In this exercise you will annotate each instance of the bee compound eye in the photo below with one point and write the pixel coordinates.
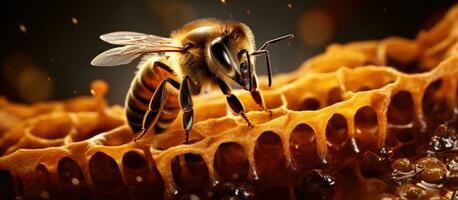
(219, 53)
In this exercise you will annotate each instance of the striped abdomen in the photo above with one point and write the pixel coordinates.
(142, 89)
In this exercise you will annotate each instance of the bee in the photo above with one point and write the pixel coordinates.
(203, 53)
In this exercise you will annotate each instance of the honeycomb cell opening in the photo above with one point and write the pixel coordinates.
(106, 176)
(190, 174)
(303, 147)
(46, 189)
(366, 125)
(52, 127)
(7, 188)
(142, 181)
(379, 79)
(273, 101)
(134, 160)
(270, 159)
(401, 108)
(231, 162)
(334, 96)
(309, 103)
(434, 103)
(336, 129)
(71, 178)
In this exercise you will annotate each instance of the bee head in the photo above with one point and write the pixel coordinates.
(235, 64)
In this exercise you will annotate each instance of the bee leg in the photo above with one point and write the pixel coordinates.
(155, 106)
(260, 101)
(257, 97)
(186, 106)
(233, 101)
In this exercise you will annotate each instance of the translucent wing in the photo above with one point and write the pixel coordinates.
(136, 44)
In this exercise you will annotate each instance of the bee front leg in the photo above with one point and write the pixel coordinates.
(233, 101)
(155, 106)
(187, 107)
(257, 97)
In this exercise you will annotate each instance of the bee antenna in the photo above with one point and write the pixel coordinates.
(262, 50)
(289, 36)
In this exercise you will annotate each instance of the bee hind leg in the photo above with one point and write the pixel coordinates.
(233, 101)
(155, 106)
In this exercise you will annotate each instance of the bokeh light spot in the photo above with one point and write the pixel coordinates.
(23, 28)
(316, 27)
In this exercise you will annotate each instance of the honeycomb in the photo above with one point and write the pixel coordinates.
(364, 120)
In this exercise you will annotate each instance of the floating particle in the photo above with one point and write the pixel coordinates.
(248, 12)
(223, 1)
(139, 179)
(231, 16)
(75, 92)
(49, 78)
(290, 6)
(23, 28)
(74, 21)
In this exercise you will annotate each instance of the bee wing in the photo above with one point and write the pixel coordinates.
(132, 38)
(136, 44)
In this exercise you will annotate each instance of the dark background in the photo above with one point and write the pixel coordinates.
(47, 45)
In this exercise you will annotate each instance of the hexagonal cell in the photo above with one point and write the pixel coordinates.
(340, 147)
(190, 174)
(379, 78)
(143, 181)
(106, 177)
(434, 104)
(7, 188)
(334, 96)
(336, 129)
(303, 147)
(231, 162)
(71, 179)
(52, 127)
(309, 103)
(46, 188)
(273, 101)
(400, 110)
(366, 125)
(270, 158)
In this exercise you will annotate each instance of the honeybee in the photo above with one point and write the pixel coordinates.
(203, 53)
